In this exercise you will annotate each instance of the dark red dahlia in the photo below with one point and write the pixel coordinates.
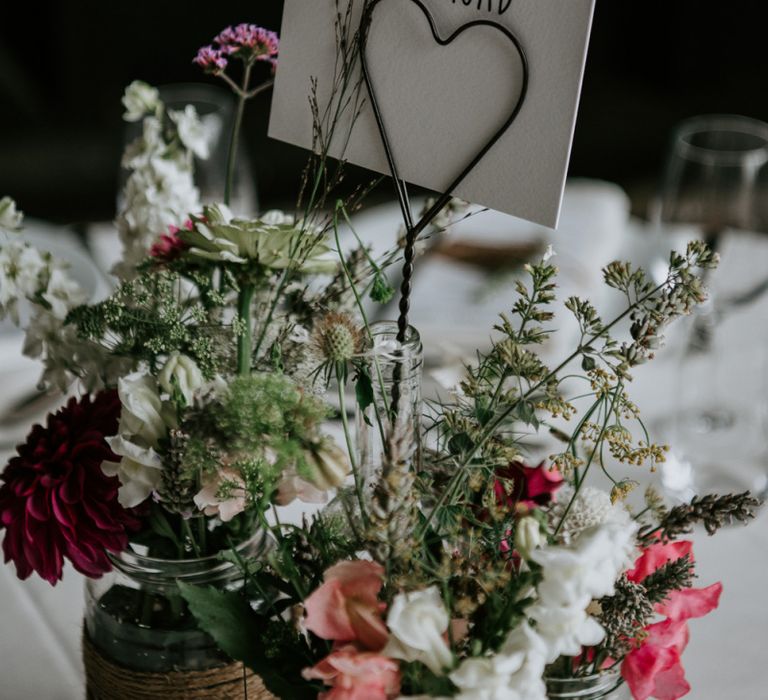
(56, 502)
(530, 486)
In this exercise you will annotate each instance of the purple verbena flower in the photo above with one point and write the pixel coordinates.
(211, 60)
(250, 41)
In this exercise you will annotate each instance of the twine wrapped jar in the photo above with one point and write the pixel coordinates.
(141, 642)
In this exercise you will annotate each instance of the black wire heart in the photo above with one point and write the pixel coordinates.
(415, 228)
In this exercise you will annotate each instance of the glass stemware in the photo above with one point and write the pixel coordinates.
(710, 190)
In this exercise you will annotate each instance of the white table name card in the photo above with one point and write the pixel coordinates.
(443, 94)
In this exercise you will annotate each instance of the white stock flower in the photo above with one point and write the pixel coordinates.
(140, 99)
(22, 273)
(10, 217)
(417, 622)
(477, 679)
(191, 130)
(63, 293)
(589, 568)
(137, 481)
(565, 629)
(181, 372)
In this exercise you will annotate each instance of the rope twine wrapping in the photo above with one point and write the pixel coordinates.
(106, 680)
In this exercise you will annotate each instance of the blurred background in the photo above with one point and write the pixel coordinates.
(64, 64)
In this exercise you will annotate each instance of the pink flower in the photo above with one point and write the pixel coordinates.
(211, 60)
(654, 668)
(346, 607)
(657, 555)
(223, 494)
(249, 41)
(530, 486)
(169, 246)
(356, 675)
(55, 500)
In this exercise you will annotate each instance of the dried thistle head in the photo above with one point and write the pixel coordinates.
(337, 338)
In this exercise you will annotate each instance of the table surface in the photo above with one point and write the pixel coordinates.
(726, 658)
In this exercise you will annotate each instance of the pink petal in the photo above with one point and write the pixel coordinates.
(326, 613)
(657, 555)
(691, 602)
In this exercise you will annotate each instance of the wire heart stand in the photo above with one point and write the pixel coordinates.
(415, 228)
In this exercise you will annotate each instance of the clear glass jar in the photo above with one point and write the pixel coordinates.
(136, 617)
(608, 685)
(394, 417)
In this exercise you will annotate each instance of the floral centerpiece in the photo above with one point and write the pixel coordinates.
(443, 563)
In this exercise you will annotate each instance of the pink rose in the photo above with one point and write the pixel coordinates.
(356, 675)
(346, 607)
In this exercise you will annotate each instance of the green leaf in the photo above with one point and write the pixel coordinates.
(381, 291)
(238, 630)
(364, 391)
(588, 363)
(526, 412)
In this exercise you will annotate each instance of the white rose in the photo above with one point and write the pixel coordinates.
(10, 218)
(417, 622)
(183, 373)
(528, 536)
(140, 99)
(192, 132)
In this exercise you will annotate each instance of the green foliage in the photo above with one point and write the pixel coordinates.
(148, 317)
(266, 646)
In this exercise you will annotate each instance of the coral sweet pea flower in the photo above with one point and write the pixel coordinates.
(346, 607)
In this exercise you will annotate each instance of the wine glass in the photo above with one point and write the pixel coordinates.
(710, 190)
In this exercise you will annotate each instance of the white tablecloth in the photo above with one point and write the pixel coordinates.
(727, 657)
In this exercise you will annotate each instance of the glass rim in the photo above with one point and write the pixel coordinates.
(725, 123)
(128, 557)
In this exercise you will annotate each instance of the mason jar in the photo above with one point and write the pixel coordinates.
(139, 635)
(608, 685)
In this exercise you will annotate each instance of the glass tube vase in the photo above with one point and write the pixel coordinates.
(390, 426)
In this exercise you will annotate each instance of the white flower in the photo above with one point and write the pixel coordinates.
(181, 372)
(276, 217)
(477, 679)
(137, 482)
(144, 421)
(10, 217)
(590, 508)
(417, 622)
(299, 335)
(144, 415)
(588, 569)
(63, 293)
(140, 99)
(565, 629)
(528, 536)
(548, 254)
(223, 495)
(191, 130)
(22, 273)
